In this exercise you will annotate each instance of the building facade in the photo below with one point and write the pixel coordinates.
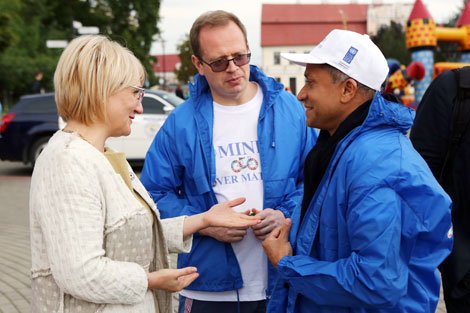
(383, 15)
(164, 68)
(297, 28)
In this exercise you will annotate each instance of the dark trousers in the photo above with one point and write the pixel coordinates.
(187, 305)
(457, 299)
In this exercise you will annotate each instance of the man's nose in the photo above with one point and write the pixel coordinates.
(232, 66)
(301, 94)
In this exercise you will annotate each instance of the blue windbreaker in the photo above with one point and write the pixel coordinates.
(179, 170)
(375, 231)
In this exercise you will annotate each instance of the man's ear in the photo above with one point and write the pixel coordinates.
(197, 63)
(349, 90)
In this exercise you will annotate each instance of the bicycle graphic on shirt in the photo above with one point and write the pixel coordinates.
(241, 164)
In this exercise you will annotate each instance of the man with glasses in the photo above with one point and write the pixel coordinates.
(239, 134)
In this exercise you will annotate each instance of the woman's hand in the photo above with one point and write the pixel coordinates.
(172, 280)
(223, 215)
(220, 215)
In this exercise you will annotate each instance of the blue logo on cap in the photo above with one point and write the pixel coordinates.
(350, 55)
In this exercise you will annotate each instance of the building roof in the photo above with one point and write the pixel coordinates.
(166, 63)
(308, 24)
(419, 11)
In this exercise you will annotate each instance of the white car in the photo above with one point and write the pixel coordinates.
(157, 105)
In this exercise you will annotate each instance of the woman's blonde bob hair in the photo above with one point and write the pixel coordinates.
(90, 70)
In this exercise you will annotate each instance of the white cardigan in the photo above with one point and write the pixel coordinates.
(92, 241)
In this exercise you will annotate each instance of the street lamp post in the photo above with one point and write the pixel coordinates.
(163, 63)
(343, 19)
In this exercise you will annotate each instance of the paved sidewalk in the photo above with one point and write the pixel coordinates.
(15, 257)
(15, 263)
(441, 307)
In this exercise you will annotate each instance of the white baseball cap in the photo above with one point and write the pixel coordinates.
(352, 53)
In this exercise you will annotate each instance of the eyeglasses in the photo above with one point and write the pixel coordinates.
(141, 92)
(221, 65)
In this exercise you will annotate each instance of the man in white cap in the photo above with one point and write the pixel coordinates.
(374, 223)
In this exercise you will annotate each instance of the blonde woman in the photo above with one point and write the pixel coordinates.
(97, 242)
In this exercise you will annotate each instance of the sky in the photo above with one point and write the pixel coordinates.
(177, 16)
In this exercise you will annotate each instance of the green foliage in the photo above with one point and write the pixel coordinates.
(448, 51)
(187, 70)
(26, 25)
(8, 10)
(132, 23)
(392, 42)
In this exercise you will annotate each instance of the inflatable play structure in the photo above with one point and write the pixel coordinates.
(422, 36)
(400, 79)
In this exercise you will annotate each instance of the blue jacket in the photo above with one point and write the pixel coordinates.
(179, 170)
(375, 231)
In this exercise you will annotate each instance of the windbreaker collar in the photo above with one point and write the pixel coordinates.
(384, 112)
(271, 88)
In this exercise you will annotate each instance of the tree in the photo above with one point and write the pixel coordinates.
(26, 25)
(7, 37)
(449, 51)
(392, 42)
(187, 68)
(23, 55)
(133, 23)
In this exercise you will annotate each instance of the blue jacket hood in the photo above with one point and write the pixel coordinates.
(199, 91)
(387, 113)
(201, 96)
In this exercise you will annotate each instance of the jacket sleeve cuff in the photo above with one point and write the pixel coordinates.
(281, 266)
(173, 230)
(286, 267)
(284, 211)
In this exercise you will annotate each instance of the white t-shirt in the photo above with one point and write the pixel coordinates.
(238, 174)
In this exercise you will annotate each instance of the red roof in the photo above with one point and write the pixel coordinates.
(465, 17)
(419, 11)
(308, 24)
(166, 63)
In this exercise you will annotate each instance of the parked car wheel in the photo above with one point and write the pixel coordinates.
(36, 148)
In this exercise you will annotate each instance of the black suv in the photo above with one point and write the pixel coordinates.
(27, 127)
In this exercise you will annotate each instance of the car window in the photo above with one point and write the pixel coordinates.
(152, 106)
(173, 99)
(41, 105)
